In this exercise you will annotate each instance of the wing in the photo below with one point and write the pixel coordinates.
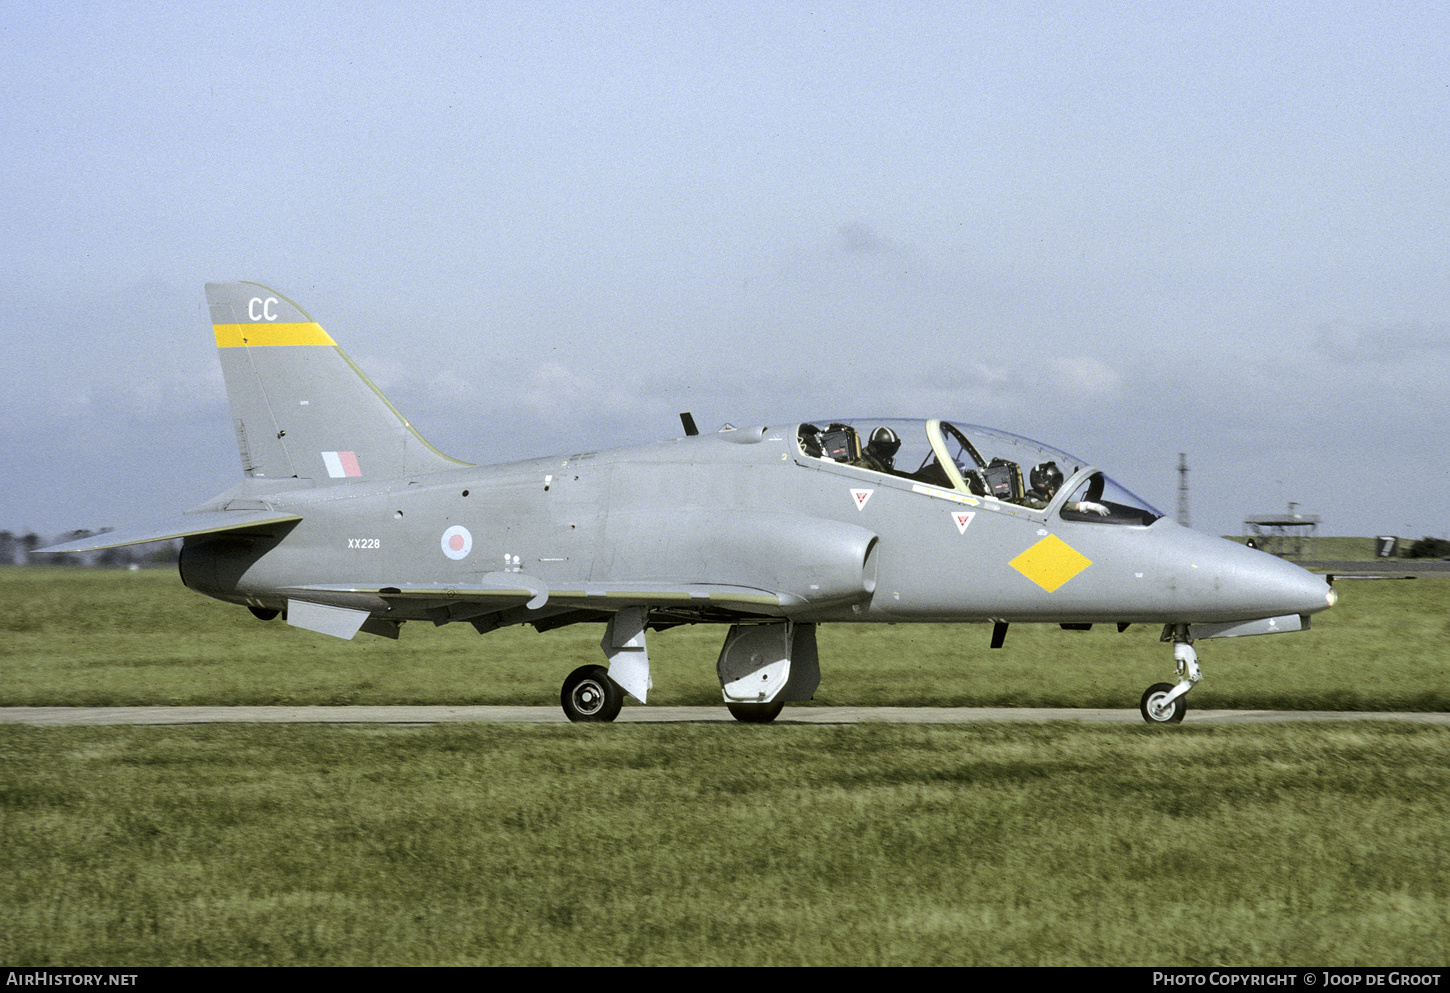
(499, 599)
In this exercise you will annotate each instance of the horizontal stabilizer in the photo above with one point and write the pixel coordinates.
(210, 522)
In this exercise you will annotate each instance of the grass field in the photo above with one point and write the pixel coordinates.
(1065, 844)
(88, 637)
(725, 844)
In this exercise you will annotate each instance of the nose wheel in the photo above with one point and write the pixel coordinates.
(1158, 706)
(1163, 703)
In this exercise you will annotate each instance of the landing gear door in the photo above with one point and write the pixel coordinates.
(762, 663)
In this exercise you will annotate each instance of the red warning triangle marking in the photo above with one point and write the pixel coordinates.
(963, 518)
(861, 496)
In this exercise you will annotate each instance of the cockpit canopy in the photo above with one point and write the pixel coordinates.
(984, 463)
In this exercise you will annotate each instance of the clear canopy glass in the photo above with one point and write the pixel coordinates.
(980, 462)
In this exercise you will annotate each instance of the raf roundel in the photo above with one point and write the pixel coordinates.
(457, 542)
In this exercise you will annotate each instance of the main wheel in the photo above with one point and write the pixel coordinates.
(755, 713)
(1153, 709)
(590, 695)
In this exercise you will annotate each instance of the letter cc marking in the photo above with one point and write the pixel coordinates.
(261, 310)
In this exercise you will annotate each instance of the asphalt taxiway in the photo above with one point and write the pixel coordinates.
(421, 715)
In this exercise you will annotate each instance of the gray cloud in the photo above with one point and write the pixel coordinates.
(1346, 342)
(860, 237)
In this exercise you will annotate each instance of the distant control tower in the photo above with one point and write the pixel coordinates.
(1282, 534)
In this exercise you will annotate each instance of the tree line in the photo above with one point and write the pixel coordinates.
(1429, 548)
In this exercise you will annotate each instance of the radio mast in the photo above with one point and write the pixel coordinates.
(1183, 489)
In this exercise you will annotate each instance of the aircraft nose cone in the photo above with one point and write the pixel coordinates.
(1232, 582)
(1282, 587)
(1310, 592)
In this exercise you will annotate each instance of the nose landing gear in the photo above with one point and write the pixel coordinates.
(1157, 708)
(1163, 703)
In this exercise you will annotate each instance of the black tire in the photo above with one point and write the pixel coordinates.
(755, 713)
(263, 613)
(589, 695)
(1153, 714)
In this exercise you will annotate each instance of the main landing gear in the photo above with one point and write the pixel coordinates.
(1163, 703)
(593, 693)
(755, 713)
(589, 695)
(761, 668)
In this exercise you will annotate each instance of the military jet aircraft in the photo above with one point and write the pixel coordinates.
(346, 520)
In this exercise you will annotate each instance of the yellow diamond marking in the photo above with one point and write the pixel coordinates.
(1051, 562)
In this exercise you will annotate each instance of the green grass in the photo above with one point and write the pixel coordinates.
(723, 844)
(715, 844)
(84, 637)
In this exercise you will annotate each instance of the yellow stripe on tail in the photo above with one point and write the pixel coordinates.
(263, 335)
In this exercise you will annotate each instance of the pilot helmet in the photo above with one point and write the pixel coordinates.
(884, 442)
(1046, 477)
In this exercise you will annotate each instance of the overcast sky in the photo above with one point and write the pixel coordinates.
(1128, 230)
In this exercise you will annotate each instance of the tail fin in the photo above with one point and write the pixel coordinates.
(300, 406)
